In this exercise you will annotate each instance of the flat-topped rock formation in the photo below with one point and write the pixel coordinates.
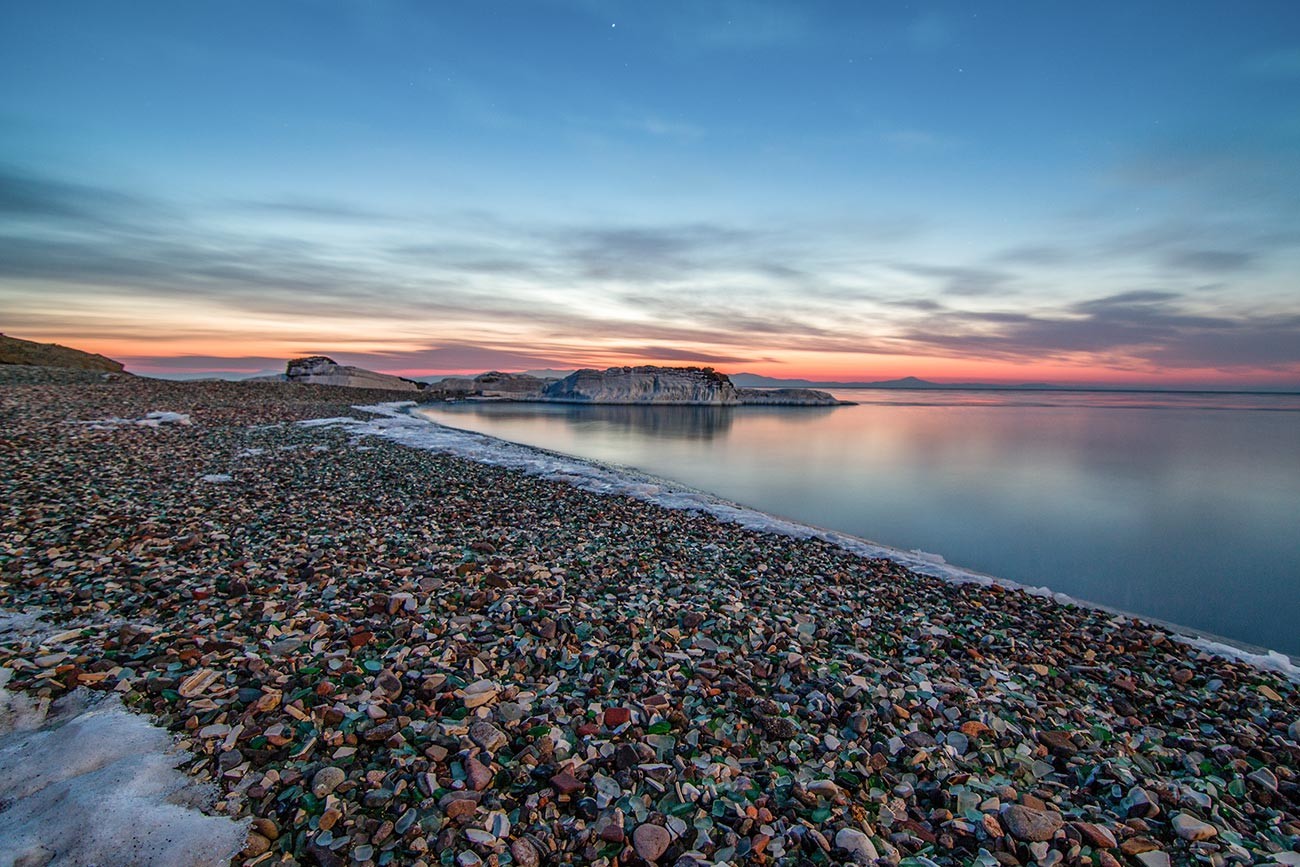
(14, 350)
(677, 386)
(644, 385)
(788, 397)
(693, 386)
(320, 370)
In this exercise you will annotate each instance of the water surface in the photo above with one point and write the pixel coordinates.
(1179, 506)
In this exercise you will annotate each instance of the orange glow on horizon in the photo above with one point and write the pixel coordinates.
(219, 352)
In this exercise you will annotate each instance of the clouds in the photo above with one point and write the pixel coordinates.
(1155, 328)
(961, 280)
(472, 291)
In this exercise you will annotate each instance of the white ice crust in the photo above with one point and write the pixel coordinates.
(392, 422)
(157, 418)
(87, 782)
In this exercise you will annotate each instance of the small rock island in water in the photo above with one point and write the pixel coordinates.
(648, 384)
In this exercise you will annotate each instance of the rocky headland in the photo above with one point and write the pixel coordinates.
(14, 350)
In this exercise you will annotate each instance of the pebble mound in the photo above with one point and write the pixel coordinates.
(389, 656)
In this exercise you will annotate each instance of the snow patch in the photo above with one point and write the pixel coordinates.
(393, 423)
(84, 781)
(342, 419)
(158, 418)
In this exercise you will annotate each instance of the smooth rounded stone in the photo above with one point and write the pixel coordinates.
(1154, 858)
(477, 774)
(1031, 825)
(958, 741)
(326, 780)
(404, 823)
(487, 736)
(1097, 835)
(266, 827)
(480, 693)
(378, 798)
(651, 841)
(460, 808)
(857, 844)
(511, 711)
(1191, 828)
(256, 845)
(1264, 777)
(498, 823)
(1058, 742)
(1294, 730)
(1142, 804)
(823, 788)
(525, 853)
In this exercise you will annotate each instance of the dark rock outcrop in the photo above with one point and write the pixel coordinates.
(14, 350)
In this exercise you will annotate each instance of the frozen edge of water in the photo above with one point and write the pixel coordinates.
(392, 422)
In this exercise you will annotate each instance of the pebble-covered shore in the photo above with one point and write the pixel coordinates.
(390, 656)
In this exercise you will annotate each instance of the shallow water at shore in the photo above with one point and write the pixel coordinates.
(1176, 506)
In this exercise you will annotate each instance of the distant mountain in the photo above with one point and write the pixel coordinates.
(753, 380)
(16, 351)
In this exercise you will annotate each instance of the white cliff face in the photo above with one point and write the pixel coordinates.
(652, 385)
(319, 370)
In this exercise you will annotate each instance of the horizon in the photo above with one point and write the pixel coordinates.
(1099, 197)
(432, 376)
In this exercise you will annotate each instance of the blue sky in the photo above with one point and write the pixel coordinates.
(1100, 192)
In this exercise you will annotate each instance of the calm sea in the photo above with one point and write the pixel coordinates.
(1179, 506)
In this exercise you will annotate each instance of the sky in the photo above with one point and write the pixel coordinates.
(1014, 191)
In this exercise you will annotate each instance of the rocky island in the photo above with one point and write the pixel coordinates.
(647, 384)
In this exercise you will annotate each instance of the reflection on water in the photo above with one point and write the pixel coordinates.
(678, 422)
(1181, 507)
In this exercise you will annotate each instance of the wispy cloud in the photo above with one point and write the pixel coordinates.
(1154, 327)
(477, 290)
(961, 280)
